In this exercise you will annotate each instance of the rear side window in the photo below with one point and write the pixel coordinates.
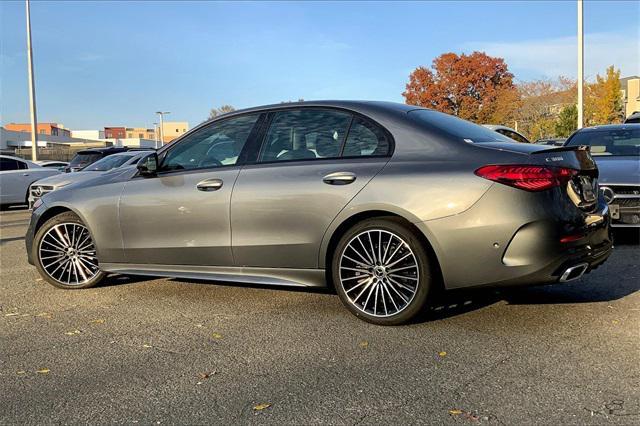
(305, 134)
(366, 139)
(609, 142)
(10, 164)
(513, 135)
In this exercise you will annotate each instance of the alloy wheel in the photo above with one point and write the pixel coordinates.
(67, 254)
(379, 273)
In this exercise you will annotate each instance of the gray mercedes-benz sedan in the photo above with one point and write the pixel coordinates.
(385, 202)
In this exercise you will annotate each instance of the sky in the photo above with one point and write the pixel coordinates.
(115, 63)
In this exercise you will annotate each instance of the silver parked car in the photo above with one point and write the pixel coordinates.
(386, 202)
(44, 186)
(616, 150)
(16, 175)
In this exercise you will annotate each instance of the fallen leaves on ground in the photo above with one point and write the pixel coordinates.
(261, 406)
(21, 372)
(364, 344)
(442, 354)
(146, 346)
(74, 332)
(97, 321)
(216, 336)
(43, 371)
(455, 412)
(12, 314)
(44, 315)
(207, 375)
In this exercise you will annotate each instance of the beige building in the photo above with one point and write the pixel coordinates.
(139, 133)
(173, 129)
(630, 94)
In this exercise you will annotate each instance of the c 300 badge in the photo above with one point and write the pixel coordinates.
(552, 159)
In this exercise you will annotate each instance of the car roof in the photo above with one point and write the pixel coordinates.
(610, 127)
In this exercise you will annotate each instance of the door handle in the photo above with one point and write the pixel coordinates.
(339, 178)
(209, 185)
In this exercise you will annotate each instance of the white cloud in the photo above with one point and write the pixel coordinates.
(558, 56)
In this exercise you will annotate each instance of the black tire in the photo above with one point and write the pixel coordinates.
(62, 218)
(415, 253)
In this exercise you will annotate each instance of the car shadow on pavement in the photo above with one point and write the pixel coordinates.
(113, 280)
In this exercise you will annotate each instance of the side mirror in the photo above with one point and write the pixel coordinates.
(148, 166)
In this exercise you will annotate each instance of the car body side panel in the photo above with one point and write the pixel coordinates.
(280, 211)
(165, 219)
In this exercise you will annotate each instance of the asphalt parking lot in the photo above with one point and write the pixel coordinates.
(158, 351)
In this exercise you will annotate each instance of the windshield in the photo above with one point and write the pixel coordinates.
(108, 163)
(609, 142)
(84, 158)
(458, 127)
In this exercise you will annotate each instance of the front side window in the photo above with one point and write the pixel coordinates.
(305, 134)
(215, 145)
(9, 164)
(366, 139)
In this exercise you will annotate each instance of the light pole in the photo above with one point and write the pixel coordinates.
(161, 114)
(155, 134)
(580, 66)
(32, 90)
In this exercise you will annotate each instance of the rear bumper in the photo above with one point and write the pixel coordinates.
(512, 237)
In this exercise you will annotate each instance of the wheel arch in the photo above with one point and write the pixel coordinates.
(344, 225)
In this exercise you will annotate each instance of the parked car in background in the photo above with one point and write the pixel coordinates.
(16, 175)
(551, 141)
(59, 165)
(508, 132)
(43, 186)
(88, 156)
(616, 150)
(387, 202)
(633, 118)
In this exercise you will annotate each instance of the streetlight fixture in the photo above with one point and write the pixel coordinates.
(161, 114)
(32, 89)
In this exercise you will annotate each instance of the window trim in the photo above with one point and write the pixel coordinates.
(261, 138)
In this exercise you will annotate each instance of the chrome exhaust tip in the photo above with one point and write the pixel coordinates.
(574, 272)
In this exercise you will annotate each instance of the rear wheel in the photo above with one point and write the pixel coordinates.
(65, 254)
(381, 271)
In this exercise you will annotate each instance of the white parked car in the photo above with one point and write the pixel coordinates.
(16, 175)
(113, 161)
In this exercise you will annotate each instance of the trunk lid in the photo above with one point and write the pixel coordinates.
(582, 188)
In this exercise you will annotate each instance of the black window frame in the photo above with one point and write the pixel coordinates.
(257, 126)
(261, 139)
(17, 163)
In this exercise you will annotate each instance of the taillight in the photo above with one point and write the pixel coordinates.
(529, 178)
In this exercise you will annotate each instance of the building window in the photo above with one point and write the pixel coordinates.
(129, 135)
(141, 135)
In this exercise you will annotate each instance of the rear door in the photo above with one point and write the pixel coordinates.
(311, 163)
(14, 181)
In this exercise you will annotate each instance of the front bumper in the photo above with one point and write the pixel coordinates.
(624, 203)
(31, 232)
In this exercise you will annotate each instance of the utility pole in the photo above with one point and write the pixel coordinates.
(580, 66)
(161, 114)
(32, 90)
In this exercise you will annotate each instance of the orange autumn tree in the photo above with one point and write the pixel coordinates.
(476, 87)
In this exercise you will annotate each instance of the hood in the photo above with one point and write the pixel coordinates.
(615, 169)
(65, 179)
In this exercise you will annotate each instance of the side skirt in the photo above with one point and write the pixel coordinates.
(271, 276)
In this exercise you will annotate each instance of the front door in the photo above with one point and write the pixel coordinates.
(181, 216)
(304, 175)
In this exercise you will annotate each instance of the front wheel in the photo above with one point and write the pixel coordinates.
(381, 271)
(65, 254)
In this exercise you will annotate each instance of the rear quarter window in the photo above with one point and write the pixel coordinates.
(458, 127)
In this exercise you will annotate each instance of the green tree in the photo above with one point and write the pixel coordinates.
(567, 121)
